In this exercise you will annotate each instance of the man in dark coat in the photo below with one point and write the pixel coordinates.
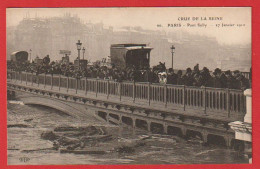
(46, 60)
(172, 77)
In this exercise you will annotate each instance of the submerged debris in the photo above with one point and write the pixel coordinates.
(131, 148)
(28, 120)
(19, 126)
(49, 136)
(83, 151)
(125, 149)
(78, 140)
(37, 150)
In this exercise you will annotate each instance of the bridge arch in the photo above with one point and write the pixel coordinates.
(73, 110)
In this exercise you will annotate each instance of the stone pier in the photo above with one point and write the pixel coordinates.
(243, 129)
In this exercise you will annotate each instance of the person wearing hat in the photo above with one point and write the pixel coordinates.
(172, 77)
(188, 78)
(230, 80)
(179, 78)
(216, 78)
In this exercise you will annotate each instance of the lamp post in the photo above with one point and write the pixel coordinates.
(173, 49)
(30, 53)
(83, 51)
(79, 48)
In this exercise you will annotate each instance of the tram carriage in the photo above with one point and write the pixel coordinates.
(19, 56)
(128, 55)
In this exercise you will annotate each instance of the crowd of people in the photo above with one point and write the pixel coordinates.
(157, 74)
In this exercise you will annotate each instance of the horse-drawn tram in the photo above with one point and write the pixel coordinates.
(128, 55)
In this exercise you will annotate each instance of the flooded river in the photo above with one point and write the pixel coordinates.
(25, 145)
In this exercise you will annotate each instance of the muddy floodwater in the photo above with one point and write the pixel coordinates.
(119, 145)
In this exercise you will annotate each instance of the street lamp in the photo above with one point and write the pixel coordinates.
(173, 49)
(83, 51)
(30, 53)
(79, 48)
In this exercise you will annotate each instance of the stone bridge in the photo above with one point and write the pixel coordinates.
(169, 109)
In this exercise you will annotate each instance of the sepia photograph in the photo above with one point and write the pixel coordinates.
(129, 85)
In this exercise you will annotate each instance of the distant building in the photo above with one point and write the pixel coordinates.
(50, 34)
(124, 55)
(234, 64)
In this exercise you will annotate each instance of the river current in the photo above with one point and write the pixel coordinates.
(26, 147)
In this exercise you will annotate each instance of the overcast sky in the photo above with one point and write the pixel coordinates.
(149, 18)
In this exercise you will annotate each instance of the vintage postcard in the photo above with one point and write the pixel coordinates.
(129, 85)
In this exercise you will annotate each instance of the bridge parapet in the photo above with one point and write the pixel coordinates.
(208, 102)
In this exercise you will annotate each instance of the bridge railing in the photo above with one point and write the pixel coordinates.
(175, 94)
(223, 101)
(141, 91)
(81, 84)
(114, 88)
(48, 80)
(91, 85)
(194, 97)
(63, 82)
(127, 89)
(56, 80)
(156, 93)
